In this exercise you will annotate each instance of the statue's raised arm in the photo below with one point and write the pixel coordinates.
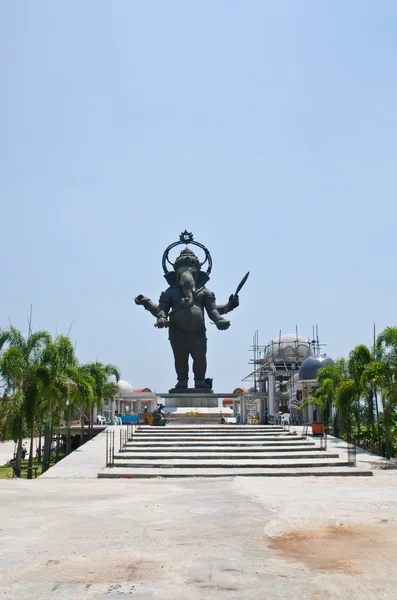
(153, 308)
(147, 304)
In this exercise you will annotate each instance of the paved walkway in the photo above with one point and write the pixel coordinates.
(87, 460)
(229, 539)
(365, 459)
(70, 535)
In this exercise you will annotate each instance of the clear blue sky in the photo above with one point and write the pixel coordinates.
(267, 128)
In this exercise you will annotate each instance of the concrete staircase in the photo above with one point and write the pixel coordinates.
(224, 451)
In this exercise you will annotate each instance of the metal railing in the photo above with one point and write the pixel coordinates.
(109, 448)
(123, 439)
(351, 454)
(130, 431)
(304, 431)
(324, 440)
(126, 435)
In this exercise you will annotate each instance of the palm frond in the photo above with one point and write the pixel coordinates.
(66, 351)
(11, 407)
(12, 365)
(112, 370)
(37, 340)
(14, 337)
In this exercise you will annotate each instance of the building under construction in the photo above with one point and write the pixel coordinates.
(276, 369)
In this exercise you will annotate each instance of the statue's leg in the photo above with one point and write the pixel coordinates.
(181, 356)
(199, 355)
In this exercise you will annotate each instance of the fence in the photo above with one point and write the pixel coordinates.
(323, 439)
(126, 435)
(351, 454)
(109, 448)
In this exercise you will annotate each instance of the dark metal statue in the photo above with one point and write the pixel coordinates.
(159, 416)
(181, 309)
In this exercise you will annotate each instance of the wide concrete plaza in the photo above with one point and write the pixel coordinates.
(233, 538)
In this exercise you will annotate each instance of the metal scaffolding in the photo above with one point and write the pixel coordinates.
(276, 366)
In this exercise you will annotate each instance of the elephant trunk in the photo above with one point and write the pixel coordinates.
(188, 286)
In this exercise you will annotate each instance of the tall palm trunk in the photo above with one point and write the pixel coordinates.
(378, 423)
(39, 447)
(58, 438)
(358, 416)
(30, 461)
(90, 423)
(82, 428)
(46, 452)
(47, 440)
(387, 423)
(69, 432)
(370, 399)
(18, 458)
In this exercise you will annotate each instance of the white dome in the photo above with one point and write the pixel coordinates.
(124, 387)
(288, 347)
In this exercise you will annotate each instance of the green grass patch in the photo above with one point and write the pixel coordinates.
(6, 471)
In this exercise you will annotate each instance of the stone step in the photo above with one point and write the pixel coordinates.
(233, 444)
(147, 473)
(210, 431)
(217, 428)
(132, 449)
(214, 428)
(133, 456)
(208, 440)
(178, 463)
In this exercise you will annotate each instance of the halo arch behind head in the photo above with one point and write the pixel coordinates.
(186, 238)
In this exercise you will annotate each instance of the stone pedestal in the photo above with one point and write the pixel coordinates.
(191, 391)
(186, 400)
(194, 406)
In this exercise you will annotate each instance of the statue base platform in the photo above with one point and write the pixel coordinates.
(191, 391)
(192, 405)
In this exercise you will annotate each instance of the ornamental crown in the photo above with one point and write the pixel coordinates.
(187, 258)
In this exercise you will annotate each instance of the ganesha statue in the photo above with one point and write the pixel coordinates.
(181, 309)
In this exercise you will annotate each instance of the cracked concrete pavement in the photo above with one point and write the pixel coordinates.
(229, 539)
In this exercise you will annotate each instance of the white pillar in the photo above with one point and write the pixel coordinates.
(112, 411)
(271, 385)
(95, 415)
(242, 410)
(138, 406)
(261, 408)
(119, 406)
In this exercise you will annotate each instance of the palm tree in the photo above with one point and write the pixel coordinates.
(383, 375)
(359, 359)
(20, 367)
(101, 374)
(66, 384)
(329, 378)
(81, 395)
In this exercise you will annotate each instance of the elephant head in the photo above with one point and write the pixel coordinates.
(187, 267)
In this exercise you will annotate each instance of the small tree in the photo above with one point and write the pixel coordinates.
(100, 374)
(20, 367)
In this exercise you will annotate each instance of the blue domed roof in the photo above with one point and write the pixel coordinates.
(310, 366)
